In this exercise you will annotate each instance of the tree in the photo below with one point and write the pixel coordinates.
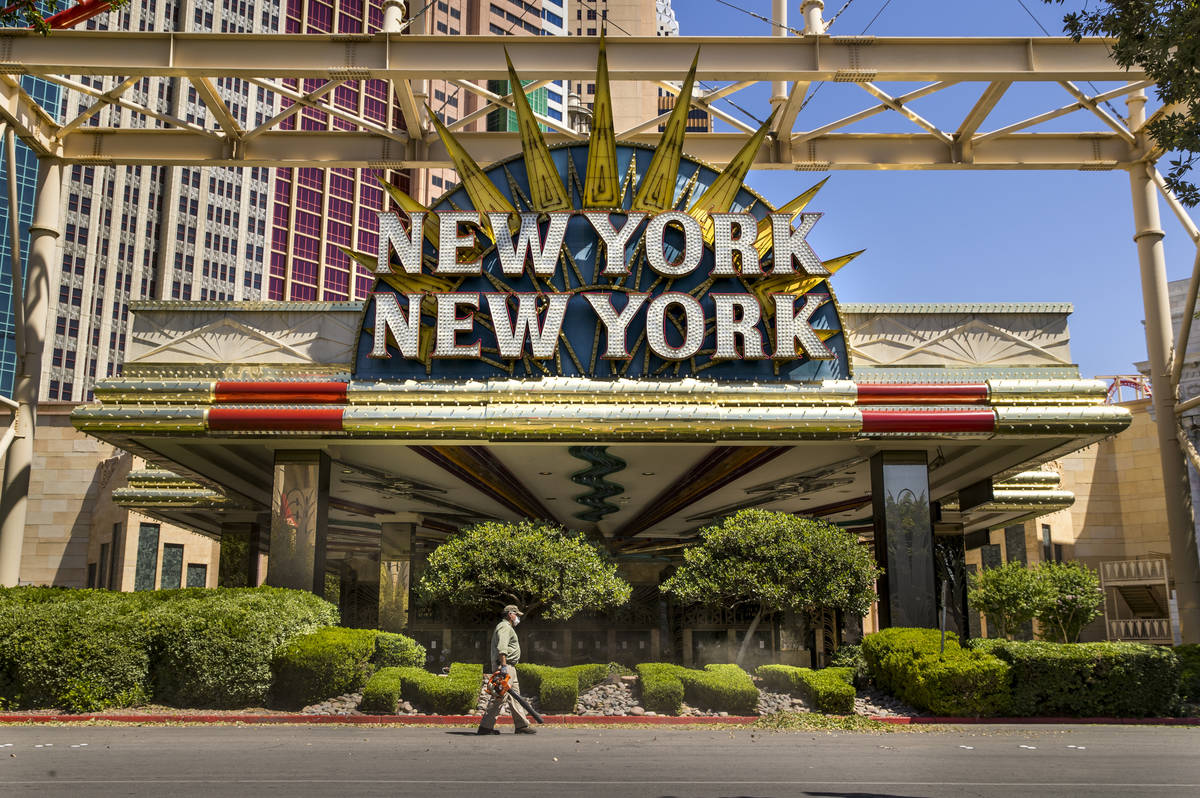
(1161, 37)
(776, 561)
(33, 13)
(1009, 596)
(536, 566)
(1071, 599)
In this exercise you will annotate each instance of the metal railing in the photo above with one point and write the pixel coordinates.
(1117, 572)
(1141, 630)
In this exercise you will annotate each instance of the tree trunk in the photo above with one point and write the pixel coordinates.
(749, 634)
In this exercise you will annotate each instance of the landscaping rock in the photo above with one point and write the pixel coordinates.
(637, 711)
(342, 705)
(606, 698)
(879, 704)
(770, 703)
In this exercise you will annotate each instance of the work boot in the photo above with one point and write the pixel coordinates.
(526, 730)
(482, 730)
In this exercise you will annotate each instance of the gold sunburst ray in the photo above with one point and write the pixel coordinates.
(602, 187)
(546, 190)
(763, 241)
(656, 192)
(796, 284)
(720, 194)
(410, 205)
(483, 192)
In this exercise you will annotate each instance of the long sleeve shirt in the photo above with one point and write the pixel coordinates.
(504, 641)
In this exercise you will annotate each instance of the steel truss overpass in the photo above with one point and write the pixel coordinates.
(792, 65)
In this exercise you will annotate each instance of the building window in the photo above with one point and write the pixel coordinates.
(197, 574)
(91, 575)
(172, 567)
(105, 550)
(1047, 546)
(147, 557)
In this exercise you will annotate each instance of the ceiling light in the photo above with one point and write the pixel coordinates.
(545, 473)
(647, 473)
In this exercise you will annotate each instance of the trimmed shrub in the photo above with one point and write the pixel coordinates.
(662, 691)
(213, 647)
(1089, 679)
(329, 662)
(1189, 672)
(81, 657)
(830, 690)
(960, 682)
(397, 651)
(85, 650)
(722, 688)
(455, 694)
(382, 693)
(558, 689)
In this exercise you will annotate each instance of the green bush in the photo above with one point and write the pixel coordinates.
(851, 656)
(213, 647)
(334, 661)
(662, 691)
(830, 690)
(455, 694)
(85, 650)
(329, 662)
(81, 657)
(722, 688)
(959, 682)
(558, 689)
(1089, 679)
(397, 651)
(1189, 672)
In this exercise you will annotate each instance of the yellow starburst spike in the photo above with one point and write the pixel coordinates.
(657, 189)
(546, 190)
(763, 241)
(483, 193)
(602, 185)
(719, 197)
(795, 284)
(410, 205)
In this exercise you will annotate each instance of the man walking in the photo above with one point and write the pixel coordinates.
(506, 652)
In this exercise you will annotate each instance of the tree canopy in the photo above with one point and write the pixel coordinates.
(539, 567)
(776, 561)
(1008, 595)
(33, 13)
(1071, 599)
(1163, 38)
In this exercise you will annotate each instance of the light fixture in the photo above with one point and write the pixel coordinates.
(545, 473)
(647, 473)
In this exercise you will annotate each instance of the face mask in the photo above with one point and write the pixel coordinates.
(516, 622)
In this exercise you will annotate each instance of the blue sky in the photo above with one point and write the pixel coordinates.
(969, 236)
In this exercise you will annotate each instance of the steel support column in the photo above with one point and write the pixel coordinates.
(1185, 561)
(14, 492)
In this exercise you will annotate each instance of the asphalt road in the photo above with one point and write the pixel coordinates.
(264, 761)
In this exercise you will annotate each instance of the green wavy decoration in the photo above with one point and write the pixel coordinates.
(603, 464)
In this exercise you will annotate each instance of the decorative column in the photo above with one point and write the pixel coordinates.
(239, 555)
(903, 539)
(299, 520)
(1181, 531)
(397, 542)
(14, 492)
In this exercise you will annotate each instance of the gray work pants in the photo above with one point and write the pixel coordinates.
(497, 705)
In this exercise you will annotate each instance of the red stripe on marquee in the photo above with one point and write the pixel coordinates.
(923, 394)
(280, 392)
(928, 421)
(280, 419)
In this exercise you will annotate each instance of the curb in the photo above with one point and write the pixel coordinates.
(565, 720)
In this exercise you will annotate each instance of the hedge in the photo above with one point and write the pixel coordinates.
(830, 690)
(455, 694)
(1088, 679)
(87, 650)
(959, 682)
(662, 691)
(334, 661)
(1189, 672)
(721, 688)
(558, 689)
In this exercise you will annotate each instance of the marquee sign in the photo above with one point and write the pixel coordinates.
(602, 260)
